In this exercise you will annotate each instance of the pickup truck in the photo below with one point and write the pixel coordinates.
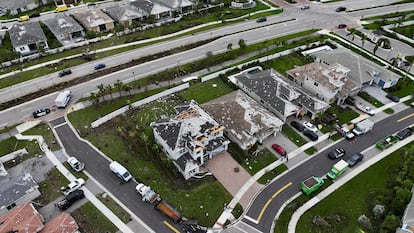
(345, 130)
(75, 164)
(72, 186)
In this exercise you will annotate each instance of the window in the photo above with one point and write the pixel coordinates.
(316, 84)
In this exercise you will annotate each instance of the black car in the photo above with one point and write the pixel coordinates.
(336, 153)
(70, 199)
(297, 125)
(34, 15)
(350, 100)
(40, 112)
(341, 8)
(311, 135)
(4, 27)
(393, 98)
(262, 19)
(64, 72)
(404, 133)
(354, 159)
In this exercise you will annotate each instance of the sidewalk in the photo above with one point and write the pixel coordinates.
(91, 197)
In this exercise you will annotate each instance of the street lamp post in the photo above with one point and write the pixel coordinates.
(133, 75)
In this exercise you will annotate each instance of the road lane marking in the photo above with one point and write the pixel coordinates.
(251, 219)
(405, 118)
(271, 199)
(62, 124)
(247, 226)
(171, 227)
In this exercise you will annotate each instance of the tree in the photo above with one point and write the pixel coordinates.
(229, 46)
(376, 47)
(118, 85)
(101, 92)
(109, 89)
(242, 45)
(127, 88)
(156, 148)
(363, 38)
(94, 98)
(144, 139)
(210, 58)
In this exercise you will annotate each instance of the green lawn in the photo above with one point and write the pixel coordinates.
(114, 207)
(404, 87)
(46, 132)
(90, 219)
(258, 161)
(12, 144)
(268, 176)
(370, 186)
(204, 92)
(310, 151)
(50, 188)
(370, 99)
(293, 136)
(407, 31)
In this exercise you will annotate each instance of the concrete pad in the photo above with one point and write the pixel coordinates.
(222, 166)
(27, 125)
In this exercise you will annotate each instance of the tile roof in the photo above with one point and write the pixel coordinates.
(26, 33)
(145, 5)
(15, 4)
(61, 24)
(123, 13)
(23, 218)
(174, 4)
(93, 18)
(63, 223)
(16, 188)
(242, 116)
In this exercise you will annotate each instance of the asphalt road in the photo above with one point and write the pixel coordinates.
(319, 16)
(319, 165)
(98, 167)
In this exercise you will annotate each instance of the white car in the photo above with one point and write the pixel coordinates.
(75, 164)
(72, 186)
(365, 109)
(309, 126)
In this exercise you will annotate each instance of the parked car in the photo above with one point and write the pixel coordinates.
(310, 126)
(279, 149)
(72, 186)
(365, 109)
(40, 112)
(297, 125)
(354, 159)
(4, 27)
(70, 199)
(412, 104)
(34, 15)
(336, 153)
(311, 135)
(100, 66)
(64, 72)
(304, 7)
(342, 25)
(75, 164)
(23, 18)
(91, 4)
(404, 133)
(393, 98)
(350, 100)
(261, 19)
(341, 8)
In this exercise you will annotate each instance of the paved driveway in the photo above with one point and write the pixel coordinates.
(222, 166)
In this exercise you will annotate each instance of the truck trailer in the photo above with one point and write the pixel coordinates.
(153, 198)
(311, 184)
(337, 169)
(363, 127)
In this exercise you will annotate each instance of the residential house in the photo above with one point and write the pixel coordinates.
(176, 5)
(277, 94)
(190, 138)
(65, 28)
(95, 20)
(125, 14)
(14, 7)
(23, 218)
(28, 38)
(63, 223)
(246, 121)
(2, 35)
(328, 83)
(4, 175)
(363, 71)
(156, 10)
(16, 191)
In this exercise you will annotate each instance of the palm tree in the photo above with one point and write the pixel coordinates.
(109, 89)
(94, 98)
(101, 88)
(363, 38)
(118, 84)
(242, 45)
(127, 88)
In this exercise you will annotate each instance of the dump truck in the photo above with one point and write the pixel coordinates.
(337, 169)
(386, 142)
(363, 127)
(148, 195)
(311, 184)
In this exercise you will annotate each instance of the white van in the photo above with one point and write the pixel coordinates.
(120, 171)
(62, 99)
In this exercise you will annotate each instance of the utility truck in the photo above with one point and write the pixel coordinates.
(337, 169)
(148, 195)
(311, 184)
(62, 99)
(363, 127)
